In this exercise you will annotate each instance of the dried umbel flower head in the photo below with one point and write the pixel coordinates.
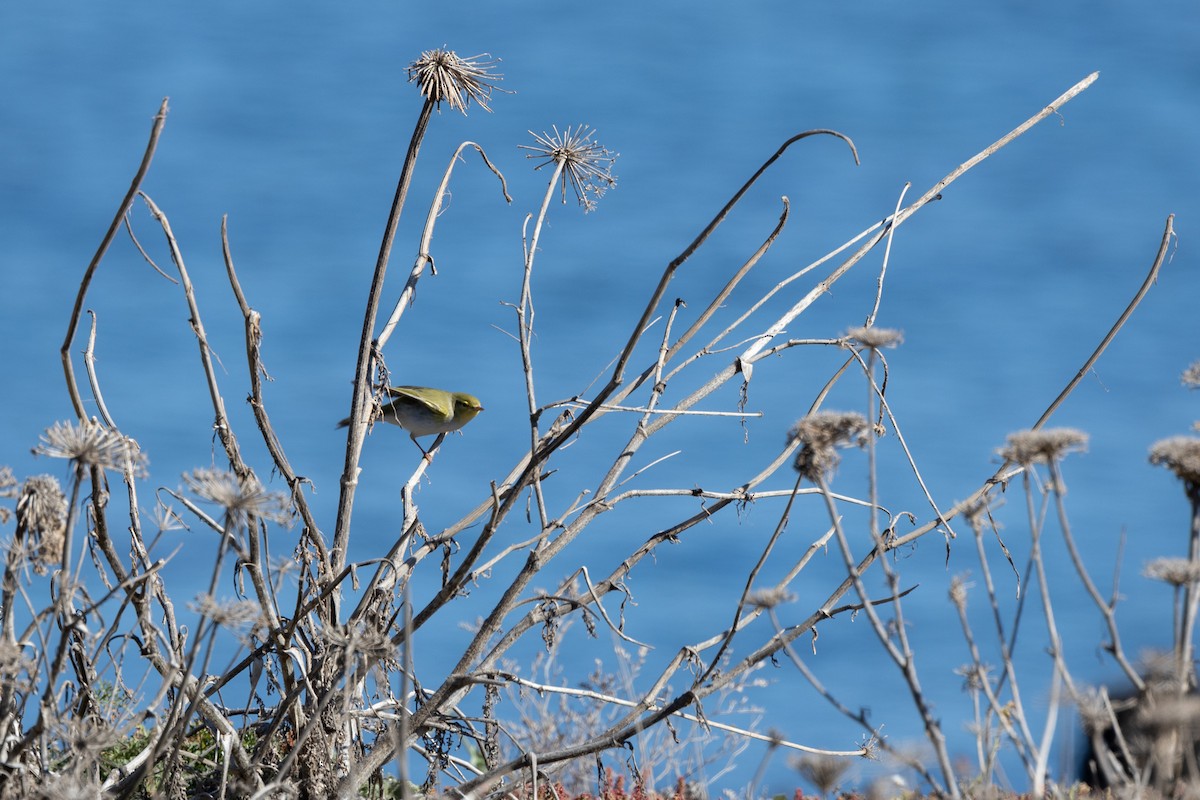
(1181, 455)
(1175, 571)
(821, 770)
(821, 434)
(1191, 376)
(241, 499)
(875, 338)
(90, 444)
(8, 488)
(42, 520)
(237, 615)
(1042, 446)
(585, 164)
(445, 77)
(1094, 710)
(769, 598)
(958, 591)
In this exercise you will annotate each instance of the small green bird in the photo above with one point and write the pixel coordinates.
(423, 411)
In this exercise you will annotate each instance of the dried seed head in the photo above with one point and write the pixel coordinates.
(821, 770)
(1191, 376)
(42, 520)
(587, 166)
(445, 77)
(1181, 455)
(769, 598)
(241, 616)
(90, 444)
(1042, 446)
(820, 434)
(240, 499)
(958, 592)
(69, 785)
(1175, 571)
(1094, 712)
(876, 338)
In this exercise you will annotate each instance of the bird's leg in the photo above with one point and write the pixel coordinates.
(433, 448)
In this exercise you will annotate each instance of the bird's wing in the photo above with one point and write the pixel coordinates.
(440, 403)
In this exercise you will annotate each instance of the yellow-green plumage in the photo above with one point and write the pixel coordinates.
(423, 411)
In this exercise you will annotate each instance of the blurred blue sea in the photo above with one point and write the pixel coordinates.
(293, 121)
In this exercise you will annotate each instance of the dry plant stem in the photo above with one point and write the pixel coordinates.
(634, 722)
(974, 161)
(146, 256)
(221, 423)
(887, 253)
(1151, 279)
(1106, 609)
(1184, 642)
(1023, 743)
(1114, 770)
(1006, 470)
(877, 391)
(556, 438)
(525, 315)
(532, 465)
(795, 276)
(908, 664)
(193, 691)
(362, 374)
(1038, 783)
(406, 494)
(859, 716)
(89, 363)
(744, 363)
(717, 301)
(669, 272)
(902, 656)
(408, 670)
(1022, 746)
(256, 568)
(62, 595)
(1036, 527)
(780, 526)
(424, 254)
(160, 119)
(254, 334)
(742, 494)
(508, 678)
(618, 375)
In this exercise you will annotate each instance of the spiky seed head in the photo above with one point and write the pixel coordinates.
(445, 77)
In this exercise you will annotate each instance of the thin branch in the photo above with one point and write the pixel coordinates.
(135, 186)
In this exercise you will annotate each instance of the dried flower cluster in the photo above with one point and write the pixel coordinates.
(876, 338)
(822, 771)
(1175, 571)
(1042, 446)
(444, 77)
(587, 166)
(235, 615)
(770, 598)
(241, 499)
(1191, 376)
(1181, 455)
(90, 444)
(8, 488)
(958, 592)
(821, 434)
(42, 520)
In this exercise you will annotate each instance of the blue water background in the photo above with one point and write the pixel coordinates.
(293, 119)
